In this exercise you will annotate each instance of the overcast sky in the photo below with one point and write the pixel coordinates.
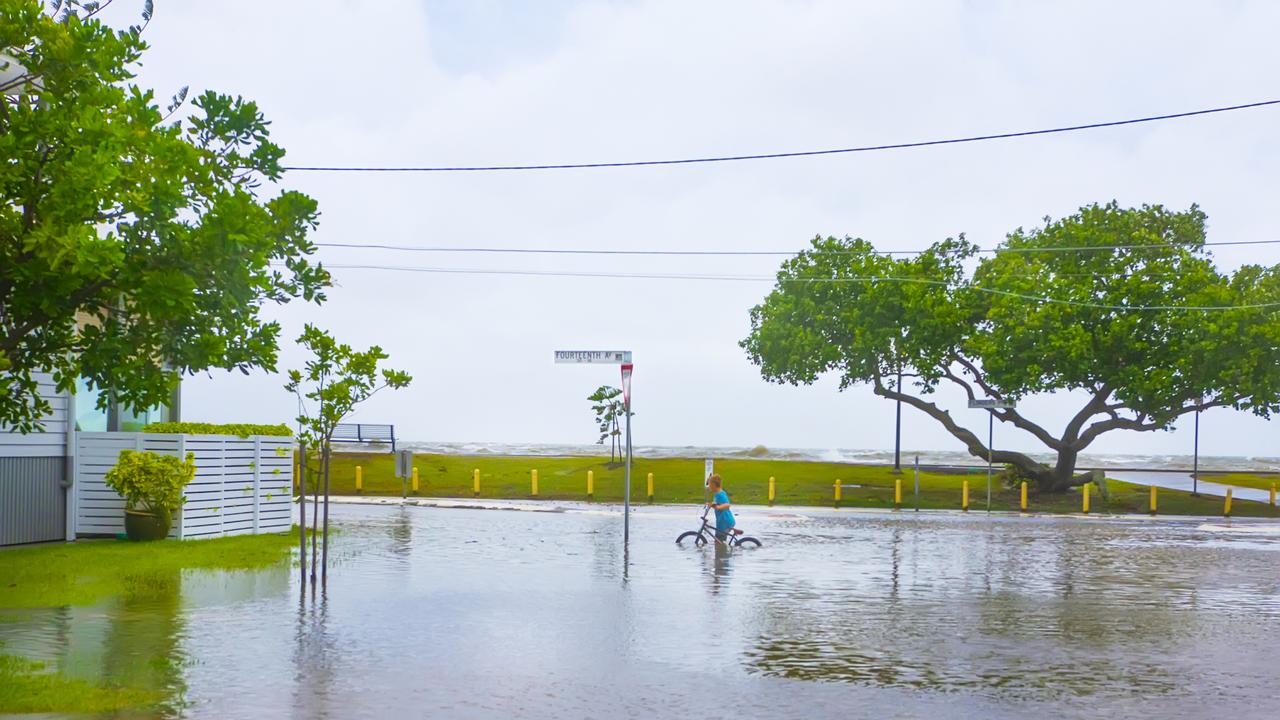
(397, 82)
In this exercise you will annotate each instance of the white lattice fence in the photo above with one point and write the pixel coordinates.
(242, 485)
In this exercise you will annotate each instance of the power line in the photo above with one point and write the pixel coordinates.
(776, 155)
(766, 278)
(753, 253)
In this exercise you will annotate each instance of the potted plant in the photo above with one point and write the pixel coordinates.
(151, 485)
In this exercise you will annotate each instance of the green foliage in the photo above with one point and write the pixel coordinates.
(334, 381)
(151, 481)
(608, 407)
(237, 429)
(1111, 330)
(135, 245)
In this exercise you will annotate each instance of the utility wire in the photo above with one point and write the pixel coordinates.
(766, 278)
(776, 155)
(746, 253)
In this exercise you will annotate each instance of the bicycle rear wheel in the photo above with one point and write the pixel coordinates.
(693, 535)
(748, 541)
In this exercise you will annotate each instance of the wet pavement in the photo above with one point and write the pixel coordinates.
(483, 613)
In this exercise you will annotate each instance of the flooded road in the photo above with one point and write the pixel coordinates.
(471, 613)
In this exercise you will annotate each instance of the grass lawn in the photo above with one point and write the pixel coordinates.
(25, 687)
(679, 480)
(84, 572)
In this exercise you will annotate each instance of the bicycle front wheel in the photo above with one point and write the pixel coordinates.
(692, 535)
(748, 541)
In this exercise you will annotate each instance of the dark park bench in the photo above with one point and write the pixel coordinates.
(362, 433)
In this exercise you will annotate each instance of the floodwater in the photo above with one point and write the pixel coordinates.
(1184, 481)
(481, 613)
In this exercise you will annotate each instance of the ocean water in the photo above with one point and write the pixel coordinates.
(840, 455)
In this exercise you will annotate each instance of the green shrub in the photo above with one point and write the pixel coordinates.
(237, 429)
(151, 481)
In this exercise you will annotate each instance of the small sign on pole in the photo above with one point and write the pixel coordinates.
(990, 404)
(595, 357)
(626, 385)
(404, 463)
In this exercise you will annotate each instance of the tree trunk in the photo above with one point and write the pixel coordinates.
(302, 514)
(324, 560)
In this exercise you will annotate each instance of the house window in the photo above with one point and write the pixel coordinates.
(117, 417)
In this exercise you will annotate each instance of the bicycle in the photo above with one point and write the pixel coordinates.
(707, 533)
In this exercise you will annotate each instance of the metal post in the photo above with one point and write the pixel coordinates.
(917, 483)
(991, 424)
(626, 490)
(897, 431)
(1195, 461)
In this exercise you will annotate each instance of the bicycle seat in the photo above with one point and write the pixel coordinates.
(736, 531)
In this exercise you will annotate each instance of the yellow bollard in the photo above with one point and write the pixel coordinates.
(359, 479)
(1153, 499)
(1226, 507)
(837, 492)
(771, 495)
(534, 476)
(415, 480)
(591, 484)
(475, 482)
(297, 473)
(650, 487)
(1024, 496)
(1273, 494)
(897, 493)
(964, 496)
(1086, 498)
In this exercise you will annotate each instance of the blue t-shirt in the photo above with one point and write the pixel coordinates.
(724, 518)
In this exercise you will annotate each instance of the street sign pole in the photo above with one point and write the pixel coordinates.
(626, 486)
(990, 405)
(611, 357)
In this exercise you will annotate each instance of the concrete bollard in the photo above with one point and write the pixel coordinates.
(1226, 506)
(475, 482)
(1153, 499)
(771, 494)
(1024, 496)
(359, 479)
(591, 485)
(964, 496)
(415, 481)
(650, 487)
(533, 483)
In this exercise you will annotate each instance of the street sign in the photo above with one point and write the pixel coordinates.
(611, 357)
(596, 357)
(990, 404)
(404, 463)
(709, 469)
(626, 385)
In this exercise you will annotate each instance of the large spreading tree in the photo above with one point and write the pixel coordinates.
(1123, 306)
(137, 242)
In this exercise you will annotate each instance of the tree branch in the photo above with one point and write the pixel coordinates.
(964, 435)
(1096, 404)
(1008, 415)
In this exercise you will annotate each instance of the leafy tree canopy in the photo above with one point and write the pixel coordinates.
(135, 244)
(1114, 302)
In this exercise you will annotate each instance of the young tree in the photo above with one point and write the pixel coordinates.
(135, 244)
(330, 385)
(609, 411)
(1121, 305)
